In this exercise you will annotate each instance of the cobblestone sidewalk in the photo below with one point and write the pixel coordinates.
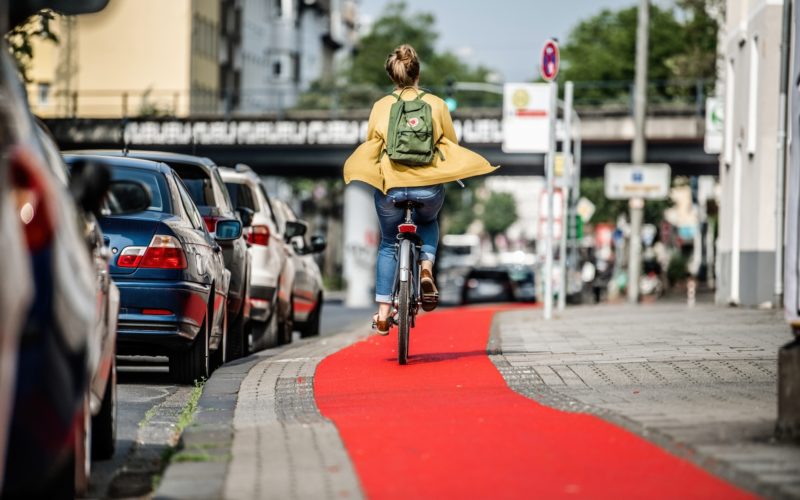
(700, 382)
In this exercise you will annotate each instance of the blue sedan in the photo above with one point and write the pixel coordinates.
(170, 272)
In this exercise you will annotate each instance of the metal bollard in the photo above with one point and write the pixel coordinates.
(691, 292)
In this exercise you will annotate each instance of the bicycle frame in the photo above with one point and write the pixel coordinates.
(406, 277)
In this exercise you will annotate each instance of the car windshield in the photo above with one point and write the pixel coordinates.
(149, 179)
(521, 274)
(197, 182)
(456, 250)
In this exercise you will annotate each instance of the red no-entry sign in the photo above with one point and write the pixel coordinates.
(549, 61)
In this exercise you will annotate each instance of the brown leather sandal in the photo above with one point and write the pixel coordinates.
(381, 327)
(430, 295)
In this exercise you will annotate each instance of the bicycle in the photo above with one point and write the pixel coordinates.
(406, 296)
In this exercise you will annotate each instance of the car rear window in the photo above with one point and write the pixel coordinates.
(241, 196)
(153, 180)
(197, 182)
(490, 275)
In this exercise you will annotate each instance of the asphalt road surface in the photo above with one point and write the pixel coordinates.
(149, 405)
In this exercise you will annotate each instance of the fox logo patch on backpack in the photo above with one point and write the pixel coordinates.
(410, 137)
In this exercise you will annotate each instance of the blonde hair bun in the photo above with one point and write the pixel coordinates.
(402, 66)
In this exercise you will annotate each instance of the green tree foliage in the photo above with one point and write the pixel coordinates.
(458, 211)
(366, 77)
(20, 39)
(499, 212)
(682, 45)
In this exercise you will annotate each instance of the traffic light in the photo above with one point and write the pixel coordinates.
(450, 94)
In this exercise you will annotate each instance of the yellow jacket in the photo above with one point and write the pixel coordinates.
(366, 164)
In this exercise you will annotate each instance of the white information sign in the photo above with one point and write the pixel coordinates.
(715, 126)
(525, 117)
(649, 181)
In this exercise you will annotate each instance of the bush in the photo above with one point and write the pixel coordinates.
(678, 268)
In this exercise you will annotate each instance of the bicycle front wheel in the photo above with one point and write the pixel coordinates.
(404, 312)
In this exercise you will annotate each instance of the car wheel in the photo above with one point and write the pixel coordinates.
(311, 327)
(219, 356)
(191, 365)
(83, 449)
(237, 337)
(104, 424)
(286, 327)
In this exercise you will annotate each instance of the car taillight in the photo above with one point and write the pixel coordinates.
(258, 235)
(211, 223)
(32, 198)
(130, 256)
(164, 252)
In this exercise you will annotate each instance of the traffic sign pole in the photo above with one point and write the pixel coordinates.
(548, 242)
(549, 70)
(566, 148)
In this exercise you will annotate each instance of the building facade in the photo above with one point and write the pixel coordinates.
(750, 55)
(190, 57)
(142, 57)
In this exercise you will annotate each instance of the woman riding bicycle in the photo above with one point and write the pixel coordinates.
(396, 182)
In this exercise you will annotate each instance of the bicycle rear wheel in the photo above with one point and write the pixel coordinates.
(404, 311)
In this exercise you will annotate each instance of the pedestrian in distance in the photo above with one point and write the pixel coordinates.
(410, 152)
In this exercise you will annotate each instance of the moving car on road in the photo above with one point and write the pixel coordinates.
(169, 269)
(272, 276)
(487, 284)
(307, 291)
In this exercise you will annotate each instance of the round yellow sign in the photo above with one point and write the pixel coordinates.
(520, 98)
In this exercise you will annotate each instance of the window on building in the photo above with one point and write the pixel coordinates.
(276, 69)
(278, 8)
(43, 94)
(752, 98)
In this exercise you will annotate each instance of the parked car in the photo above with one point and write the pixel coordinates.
(169, 269)
(55, 311)
(307, 291)
(202, 180)
(272, 276)
(84, 184)
(491, 284)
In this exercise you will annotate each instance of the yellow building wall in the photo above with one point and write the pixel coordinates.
(138, 48)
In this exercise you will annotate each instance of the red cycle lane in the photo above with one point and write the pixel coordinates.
(447, 426)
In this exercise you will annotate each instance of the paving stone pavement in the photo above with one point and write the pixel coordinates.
(699, 382)
(283, 447)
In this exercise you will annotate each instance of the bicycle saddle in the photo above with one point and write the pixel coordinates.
(407, 203)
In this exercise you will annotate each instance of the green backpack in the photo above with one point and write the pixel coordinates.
(410, 137)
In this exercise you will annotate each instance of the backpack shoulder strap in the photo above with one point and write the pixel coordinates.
(421, 94)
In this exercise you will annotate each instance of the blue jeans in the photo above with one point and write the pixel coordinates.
(426, 218)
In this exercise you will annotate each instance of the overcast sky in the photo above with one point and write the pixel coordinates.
(505, 35)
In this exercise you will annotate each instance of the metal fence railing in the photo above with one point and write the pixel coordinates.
(683, 97)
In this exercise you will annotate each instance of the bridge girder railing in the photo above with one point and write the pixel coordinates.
(592, 98)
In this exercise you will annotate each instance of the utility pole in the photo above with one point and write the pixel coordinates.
(638, 148)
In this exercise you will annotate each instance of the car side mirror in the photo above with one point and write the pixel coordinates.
(89, 183)
(293, 229)
(246, 215)
(317, 244)
(228, 230)
(127, 197)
